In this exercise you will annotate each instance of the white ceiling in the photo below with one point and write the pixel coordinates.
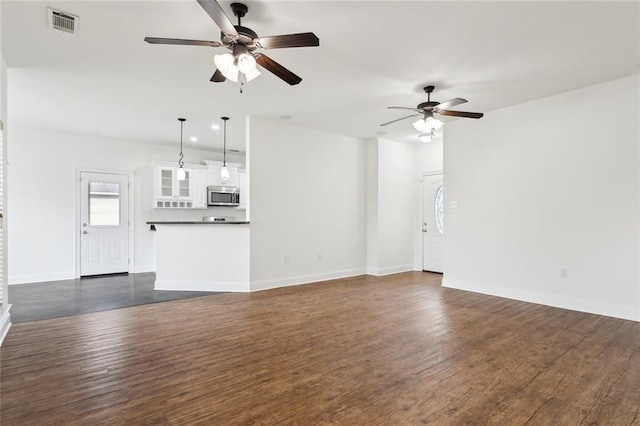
(108, 82)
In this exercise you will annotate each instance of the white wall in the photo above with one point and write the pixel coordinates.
(307, 199)
(429, 156)
(42, 186)
(373, 245)
(545, 185)
(5, 319)
(397, 202)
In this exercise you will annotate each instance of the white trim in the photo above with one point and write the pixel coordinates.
(305, 279)
(130, 213)
(5, 322)
(420, 265)
(36, 278)
(554, 300)
(137, 269)
(378, 272)
(418, 261)
(198, 285)
(131, 206)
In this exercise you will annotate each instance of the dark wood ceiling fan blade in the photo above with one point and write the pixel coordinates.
(399, 119)
(180, 41)
(406, 108)
(214, 10)
(217, 77)
(289, 40)
(464, 114)
(277, 69)
(450, 103)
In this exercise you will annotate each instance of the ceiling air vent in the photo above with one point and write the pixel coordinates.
(63, 21)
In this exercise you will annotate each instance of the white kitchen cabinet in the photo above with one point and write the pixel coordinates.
(242, 186)
(169, 187)
(181, 194)
(199, 188)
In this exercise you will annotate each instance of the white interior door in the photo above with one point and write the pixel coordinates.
(104, 224)
(432, 223)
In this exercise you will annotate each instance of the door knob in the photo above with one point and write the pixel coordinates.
(85, 232)
(424, 230)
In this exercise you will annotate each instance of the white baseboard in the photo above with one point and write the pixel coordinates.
(59, 276)
(36, 278)
(5, 322)
(378, 272)
(305, 279)
(557, 301)
(138, 269)
(194, 285)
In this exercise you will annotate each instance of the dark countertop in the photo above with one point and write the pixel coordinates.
(196, 222)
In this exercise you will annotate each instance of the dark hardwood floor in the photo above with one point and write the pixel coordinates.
(396, 350)
(37, 301)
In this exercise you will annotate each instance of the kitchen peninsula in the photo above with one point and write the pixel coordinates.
(201, 255)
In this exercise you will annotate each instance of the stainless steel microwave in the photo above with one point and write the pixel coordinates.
(223, 196)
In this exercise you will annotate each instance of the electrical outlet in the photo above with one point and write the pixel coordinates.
(454, 204)
(286, 259)
(563, 272)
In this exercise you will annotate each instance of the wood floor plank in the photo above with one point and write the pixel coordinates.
(364, 350)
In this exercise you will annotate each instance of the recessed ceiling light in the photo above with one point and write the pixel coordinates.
(215, 126)
(193, 139)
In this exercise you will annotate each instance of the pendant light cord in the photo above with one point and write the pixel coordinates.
(180, 162)
(224, 152)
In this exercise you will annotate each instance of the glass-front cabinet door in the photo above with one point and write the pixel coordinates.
(169, 187)
(183, 186)
(166, 183)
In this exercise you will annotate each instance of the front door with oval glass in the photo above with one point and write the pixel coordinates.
(432, 223)
(104, 230)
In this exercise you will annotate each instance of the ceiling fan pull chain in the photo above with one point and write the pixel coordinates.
(242, 79)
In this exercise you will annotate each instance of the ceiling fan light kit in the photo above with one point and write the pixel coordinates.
(427, 125)
(240, 66)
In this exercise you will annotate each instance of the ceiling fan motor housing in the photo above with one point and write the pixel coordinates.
(246, 36)
(428, 105)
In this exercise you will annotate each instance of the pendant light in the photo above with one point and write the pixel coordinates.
(181, 173)
(224, 172)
